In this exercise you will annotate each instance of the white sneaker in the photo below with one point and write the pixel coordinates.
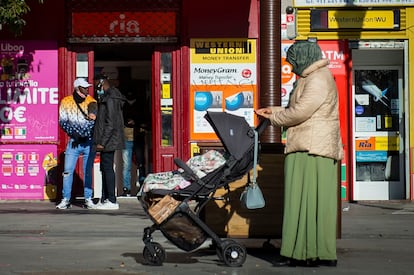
(89, 204)
(107, 205)
(100, 203)
(64, 204)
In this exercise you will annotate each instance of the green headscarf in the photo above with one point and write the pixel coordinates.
(302, 54)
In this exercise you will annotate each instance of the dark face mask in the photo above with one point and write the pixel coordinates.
(77, 97)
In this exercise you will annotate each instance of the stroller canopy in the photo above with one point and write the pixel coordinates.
(234, 132)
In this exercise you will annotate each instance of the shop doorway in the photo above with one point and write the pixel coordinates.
(129, 68)
(378, 125)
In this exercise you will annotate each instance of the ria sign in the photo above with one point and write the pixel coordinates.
(124, 24)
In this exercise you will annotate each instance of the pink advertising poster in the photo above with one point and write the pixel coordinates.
(28, 171)
(28, 91)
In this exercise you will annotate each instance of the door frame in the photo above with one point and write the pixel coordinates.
(163, 155)
(403, 158)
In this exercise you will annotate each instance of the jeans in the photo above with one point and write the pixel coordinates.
(132, 147)
(108, 176)
(71, 157)
(127, 163)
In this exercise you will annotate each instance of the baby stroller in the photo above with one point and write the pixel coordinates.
(169, 208)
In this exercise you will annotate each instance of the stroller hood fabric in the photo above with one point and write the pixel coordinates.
(234, 132)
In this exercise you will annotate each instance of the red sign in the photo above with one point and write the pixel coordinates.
(335, 52)
(129, 24)
(290, 18)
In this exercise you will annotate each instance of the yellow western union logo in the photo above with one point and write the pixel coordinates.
(367, 19)
(223, 47)
(238, 50)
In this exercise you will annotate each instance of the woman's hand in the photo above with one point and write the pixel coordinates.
(264, 112)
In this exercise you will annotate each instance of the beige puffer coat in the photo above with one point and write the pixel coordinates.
(312, 117)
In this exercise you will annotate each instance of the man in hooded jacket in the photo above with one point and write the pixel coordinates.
(108, 137)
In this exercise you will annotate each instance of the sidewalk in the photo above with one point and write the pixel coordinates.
(35, 238)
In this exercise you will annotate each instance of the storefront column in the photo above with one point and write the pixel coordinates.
(410, 34)
(270, 65)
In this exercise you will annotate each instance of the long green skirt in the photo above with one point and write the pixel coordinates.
(310, 207)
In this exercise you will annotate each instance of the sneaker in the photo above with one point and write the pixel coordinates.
(107, 205)
(126, 192)
(64, 204)
(89, 204)
(99, 203)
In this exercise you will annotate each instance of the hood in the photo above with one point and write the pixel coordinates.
(302, 54)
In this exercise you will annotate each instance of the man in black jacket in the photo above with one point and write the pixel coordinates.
(108, 137)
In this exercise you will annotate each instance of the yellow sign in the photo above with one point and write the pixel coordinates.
(166, 90)
(235, 50)
(358, 19)
(387, 143)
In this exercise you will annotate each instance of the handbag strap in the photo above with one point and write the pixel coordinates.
(256, 141)
(82, 111)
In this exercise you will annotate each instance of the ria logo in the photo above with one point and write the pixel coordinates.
(364, 144)
(123, 26)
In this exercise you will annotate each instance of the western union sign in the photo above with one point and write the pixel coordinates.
(355, 19)
(235, 50)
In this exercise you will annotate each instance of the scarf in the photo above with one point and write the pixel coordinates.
(302, 54)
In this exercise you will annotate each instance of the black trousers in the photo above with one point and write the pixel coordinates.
(108, 176)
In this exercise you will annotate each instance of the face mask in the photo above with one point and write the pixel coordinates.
(99, 89)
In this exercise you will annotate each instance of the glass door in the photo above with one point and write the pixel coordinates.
(378, 161)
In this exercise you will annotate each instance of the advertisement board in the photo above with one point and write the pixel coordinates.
(28, 91)
(28, 171)
(223, 77)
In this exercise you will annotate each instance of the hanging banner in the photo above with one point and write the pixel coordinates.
(28, 91)
(223, 77)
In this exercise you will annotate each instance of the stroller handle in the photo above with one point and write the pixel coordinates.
(180, 163)
(262, 125)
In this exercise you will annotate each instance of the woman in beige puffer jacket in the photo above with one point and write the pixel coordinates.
(313, 149)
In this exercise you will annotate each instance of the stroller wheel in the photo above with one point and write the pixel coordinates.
(233, 254)
(156, 258)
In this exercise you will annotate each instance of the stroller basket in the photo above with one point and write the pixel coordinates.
(182, 231)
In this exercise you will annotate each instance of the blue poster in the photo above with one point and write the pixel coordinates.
(371, 156)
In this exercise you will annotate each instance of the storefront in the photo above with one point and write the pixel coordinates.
(375, 105)
(175, 55)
